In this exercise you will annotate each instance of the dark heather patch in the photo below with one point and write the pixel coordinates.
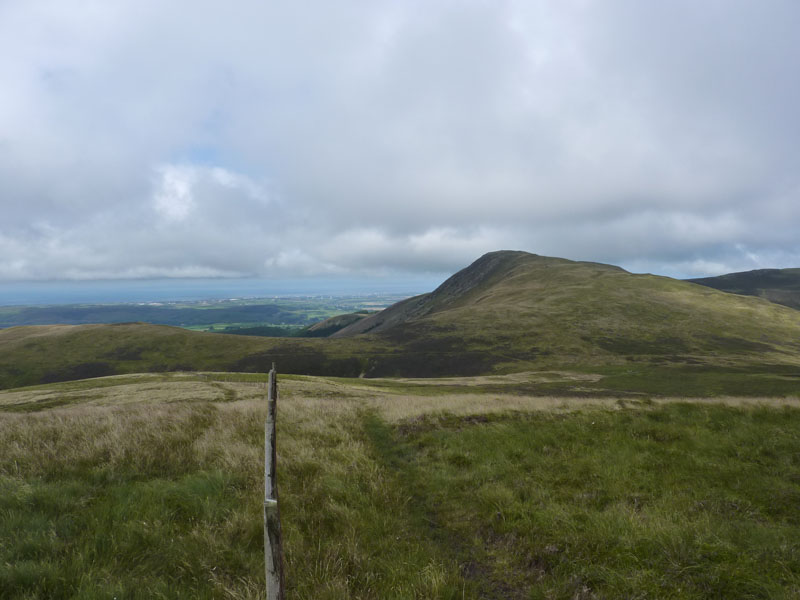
(734, 344)
(424, 364)
(85, 370)
(627, 346)
(311, 362)
(124, 353)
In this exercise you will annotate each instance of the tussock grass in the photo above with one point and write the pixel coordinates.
(131, 501)
(147, 487)
(158, 496)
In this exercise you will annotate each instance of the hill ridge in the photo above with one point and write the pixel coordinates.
(781, 286)
(489, 266)
(488, 270)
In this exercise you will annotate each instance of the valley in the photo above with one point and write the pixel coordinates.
(272, 317)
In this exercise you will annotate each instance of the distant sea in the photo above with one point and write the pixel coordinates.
(165, 290)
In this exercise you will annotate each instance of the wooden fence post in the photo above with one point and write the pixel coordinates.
(273, 545)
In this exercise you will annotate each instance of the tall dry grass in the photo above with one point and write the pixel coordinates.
(152, 487)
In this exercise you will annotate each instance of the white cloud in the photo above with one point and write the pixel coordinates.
(143, 139)
(173, 199)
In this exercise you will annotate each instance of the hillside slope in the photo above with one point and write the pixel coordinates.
(529, 307)
(781, 286)
(50, 353)
(331, 325)
(488, 270)
(508, 312)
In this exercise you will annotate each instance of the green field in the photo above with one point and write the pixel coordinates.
(288, 315)
(147, 486)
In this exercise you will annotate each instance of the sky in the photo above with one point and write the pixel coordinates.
(376, 139)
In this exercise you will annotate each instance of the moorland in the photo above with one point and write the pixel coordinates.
(533, 428)
(507, 312)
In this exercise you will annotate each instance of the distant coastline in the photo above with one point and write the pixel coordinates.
(163, 290)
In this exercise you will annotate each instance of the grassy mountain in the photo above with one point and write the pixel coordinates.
(781, 286)
(611, 330)
(535, 307)
(487, 271)
(512, 309)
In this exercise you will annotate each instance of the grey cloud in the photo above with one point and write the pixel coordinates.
(364, 139)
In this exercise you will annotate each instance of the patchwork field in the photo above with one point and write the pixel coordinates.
(148, 486)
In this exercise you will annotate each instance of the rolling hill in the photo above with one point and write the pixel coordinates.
(49, 353)
(507, 312)
(538, 307)
(781, 286)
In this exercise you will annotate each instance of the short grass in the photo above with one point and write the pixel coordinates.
(151, 487)
(678, 501)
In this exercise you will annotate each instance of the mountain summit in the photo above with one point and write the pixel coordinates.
(526, 307)
(461, 289)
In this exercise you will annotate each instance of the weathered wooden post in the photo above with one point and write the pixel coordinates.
(273, 545)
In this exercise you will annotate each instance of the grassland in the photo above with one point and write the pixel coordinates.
(51, 353)
(147, 486)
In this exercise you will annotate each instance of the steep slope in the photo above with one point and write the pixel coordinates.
(781, 286)
(331, 325)
(458, 290)
(524, 307)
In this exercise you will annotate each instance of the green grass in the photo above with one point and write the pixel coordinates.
(351, 530)
(680, 501)
(164, 499)
(388, 493)
(126, 502)
(127, 538)
(703, 380)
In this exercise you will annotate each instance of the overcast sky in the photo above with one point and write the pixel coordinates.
(143, 139)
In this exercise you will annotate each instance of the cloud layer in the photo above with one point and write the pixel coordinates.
(139, 139)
